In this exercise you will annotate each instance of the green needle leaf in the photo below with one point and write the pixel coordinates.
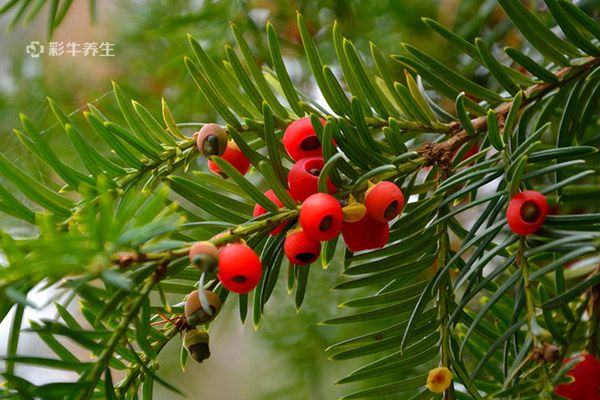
(496, 68)
(463, 117)
(248, 187)
(282, 74)
(256, 73)
(493, 131)
(530, 65)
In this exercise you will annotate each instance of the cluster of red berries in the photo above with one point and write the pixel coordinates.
(322, 217)
(363, 226)
(586, 380)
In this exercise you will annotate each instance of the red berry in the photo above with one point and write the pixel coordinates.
(303, 178)
(472, 151)
(586, 384)
(233, 156)
(384, 201)
(301, 141)
(260, 210)
(300, 249)
(239, 268)
(366, 234)
(321, 217)
(526, 212)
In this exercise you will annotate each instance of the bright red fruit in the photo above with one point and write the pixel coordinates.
(526, 212)
(239, 268)
(586, 384)
(321, 217)
(301, 141)
(233, 156)
(300, 249)
(366, 234)
(260, 210)
(384, 201)
(303, 178)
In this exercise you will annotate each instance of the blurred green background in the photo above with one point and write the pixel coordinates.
(285, 358)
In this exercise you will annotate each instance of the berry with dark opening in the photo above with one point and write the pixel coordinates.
(233, 156)
(526, 212)
(384, 201)
(321, 217)
(366, 234)
(260, 210)
(196, 343)
(211, 140)
(239, 268)
(300, 249)
(303, 178)
(195, 314)
(586, 383)
(204, 256)
(301, 141)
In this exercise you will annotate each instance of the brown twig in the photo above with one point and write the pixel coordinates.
(441, 153)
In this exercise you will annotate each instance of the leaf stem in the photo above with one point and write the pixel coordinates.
(133, 373)
(534, 327)
(231, 235)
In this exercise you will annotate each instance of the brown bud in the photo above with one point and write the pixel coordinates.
(211, 140)
(195, 314)
(550, 353)
(204, 256)
(196, 343)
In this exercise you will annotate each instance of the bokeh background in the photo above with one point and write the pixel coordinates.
(284, 358)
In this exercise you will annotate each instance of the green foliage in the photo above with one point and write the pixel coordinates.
(27, 10)
(471, 297)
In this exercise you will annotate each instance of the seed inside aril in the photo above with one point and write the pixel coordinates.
(530, 211)
(305, 257)
(325, 223)
(314, 171)
(391, 210)
(239, 279)
(205, 262)
(210, 145)
(310, 143)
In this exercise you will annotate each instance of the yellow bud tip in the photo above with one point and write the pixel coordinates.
(354, 212)
(439, 379)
